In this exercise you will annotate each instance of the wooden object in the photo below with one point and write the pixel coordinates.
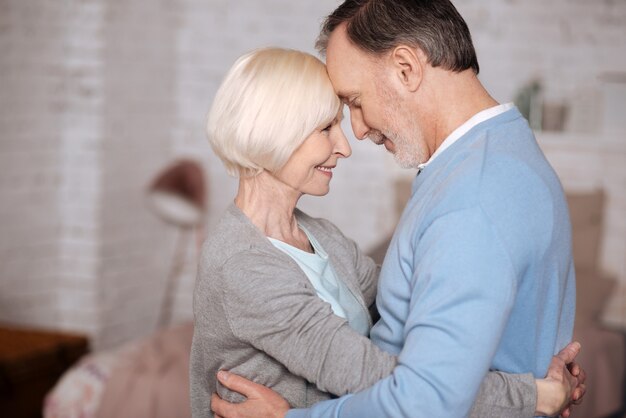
(31, 361)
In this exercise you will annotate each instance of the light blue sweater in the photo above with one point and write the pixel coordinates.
(479, 275)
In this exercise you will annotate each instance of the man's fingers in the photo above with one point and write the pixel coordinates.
(569, 353)
(566, 412)
(238, 384)
(582, 375)
(574, 369)
(219, 406)
(579, 393)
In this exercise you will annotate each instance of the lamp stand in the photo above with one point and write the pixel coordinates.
(173, 278)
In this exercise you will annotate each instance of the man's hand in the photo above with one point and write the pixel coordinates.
(564, 384)
(261, 402)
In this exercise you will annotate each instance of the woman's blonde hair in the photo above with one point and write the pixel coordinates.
(270, 101)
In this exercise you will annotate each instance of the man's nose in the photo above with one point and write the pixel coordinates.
(359, 127)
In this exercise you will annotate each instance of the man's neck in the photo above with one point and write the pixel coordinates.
(456, 97)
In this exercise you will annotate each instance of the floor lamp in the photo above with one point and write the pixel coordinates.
(178, 196)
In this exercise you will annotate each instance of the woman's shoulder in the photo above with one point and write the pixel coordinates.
(330, 236)
(319, 225)
(233, 233)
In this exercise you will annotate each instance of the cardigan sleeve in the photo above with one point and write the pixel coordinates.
(270, 304)
(506, 395)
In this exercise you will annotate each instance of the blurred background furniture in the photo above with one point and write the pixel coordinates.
(603, 351)
(31, 362)
(146, 378)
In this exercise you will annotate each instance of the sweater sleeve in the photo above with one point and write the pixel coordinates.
(462, 291)
(270, 305)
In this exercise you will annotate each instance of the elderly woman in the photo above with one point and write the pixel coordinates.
(281, 297)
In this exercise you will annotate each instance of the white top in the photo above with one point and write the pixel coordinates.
(322, 276)
(479, 117)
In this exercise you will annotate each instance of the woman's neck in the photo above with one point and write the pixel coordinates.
(270, 205)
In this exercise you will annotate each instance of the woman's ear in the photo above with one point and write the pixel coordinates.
(408, 64)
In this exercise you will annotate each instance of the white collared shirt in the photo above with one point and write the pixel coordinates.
(479, 117)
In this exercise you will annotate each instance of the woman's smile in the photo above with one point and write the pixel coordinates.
(325, 170)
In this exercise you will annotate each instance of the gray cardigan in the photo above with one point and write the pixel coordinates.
(257, 315)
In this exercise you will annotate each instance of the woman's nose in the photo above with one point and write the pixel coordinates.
(342, 146)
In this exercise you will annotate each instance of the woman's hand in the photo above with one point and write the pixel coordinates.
(261, 402)
(563, 385)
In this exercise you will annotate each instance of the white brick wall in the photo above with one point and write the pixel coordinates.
(87, 115)
(139, 112)
(565, 43)
(96, 96)
(33, 105)
(79, 192)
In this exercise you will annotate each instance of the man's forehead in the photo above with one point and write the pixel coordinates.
(339, 50)
(344, 89)
(346, 64)
(342, 72)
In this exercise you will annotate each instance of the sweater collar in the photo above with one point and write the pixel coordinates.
(475, 120)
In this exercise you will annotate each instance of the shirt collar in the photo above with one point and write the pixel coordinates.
(465, 127)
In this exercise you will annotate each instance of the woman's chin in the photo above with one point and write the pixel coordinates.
(321, 192)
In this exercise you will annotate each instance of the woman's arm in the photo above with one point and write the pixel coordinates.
(506, 395)
(270, 304)
(568, 387)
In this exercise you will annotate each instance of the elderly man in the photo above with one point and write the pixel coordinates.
(479, 274)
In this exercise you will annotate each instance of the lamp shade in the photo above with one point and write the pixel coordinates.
(178, 194)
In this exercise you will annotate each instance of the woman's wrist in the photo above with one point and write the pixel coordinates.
(551, 397)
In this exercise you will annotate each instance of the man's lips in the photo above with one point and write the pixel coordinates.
(390, 146)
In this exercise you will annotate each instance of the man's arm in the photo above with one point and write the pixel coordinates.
(462, 291)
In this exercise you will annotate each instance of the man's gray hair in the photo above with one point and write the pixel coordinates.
(377, 26)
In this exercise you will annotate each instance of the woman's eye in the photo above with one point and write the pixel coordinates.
(326, 129)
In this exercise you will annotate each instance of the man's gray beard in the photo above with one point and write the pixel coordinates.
(409, 153)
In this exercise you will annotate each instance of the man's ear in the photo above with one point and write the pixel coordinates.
(408, 63)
